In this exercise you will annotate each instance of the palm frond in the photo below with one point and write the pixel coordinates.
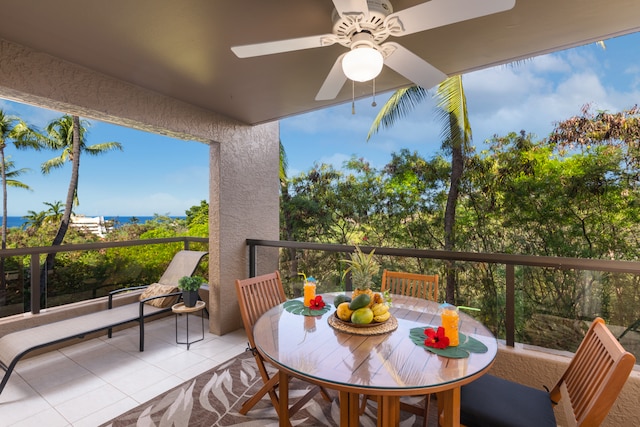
(452, 112)
(17, 184)
(102, 147)
(284, 164)
(401, 103)
(55, 163)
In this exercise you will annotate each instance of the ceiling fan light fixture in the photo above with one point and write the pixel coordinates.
(362, 63)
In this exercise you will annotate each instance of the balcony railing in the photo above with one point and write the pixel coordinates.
(515, 275)
(29, 277)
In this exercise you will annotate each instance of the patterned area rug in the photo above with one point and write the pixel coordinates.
(214, 398)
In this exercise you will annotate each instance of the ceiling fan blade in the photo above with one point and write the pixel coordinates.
(351, 7)
(438, 13)
(334, 82)
(411, 66)
(269, 48)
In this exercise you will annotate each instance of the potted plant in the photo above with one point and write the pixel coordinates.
(189, 285)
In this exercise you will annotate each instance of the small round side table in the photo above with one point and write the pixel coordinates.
(179, 309)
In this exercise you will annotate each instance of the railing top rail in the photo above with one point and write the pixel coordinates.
(496, 258)
(5, 253)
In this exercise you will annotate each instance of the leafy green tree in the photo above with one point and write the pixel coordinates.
(612, 130)
(410, 202)
(198, 219)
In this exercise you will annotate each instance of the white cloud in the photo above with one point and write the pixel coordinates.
(548, 64)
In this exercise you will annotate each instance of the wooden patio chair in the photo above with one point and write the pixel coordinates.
(590, 385)
(410, 284)
(414, 285)
(256, 296)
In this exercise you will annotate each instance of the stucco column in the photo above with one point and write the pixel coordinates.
(243, 203)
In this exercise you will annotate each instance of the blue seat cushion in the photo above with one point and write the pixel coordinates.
(491, 401)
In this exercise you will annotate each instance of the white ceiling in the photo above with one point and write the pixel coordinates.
(181, 48)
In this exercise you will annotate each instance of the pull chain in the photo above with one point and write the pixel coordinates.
(353, 97)
(373, 104)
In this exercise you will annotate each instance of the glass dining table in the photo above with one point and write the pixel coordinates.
(386, 365)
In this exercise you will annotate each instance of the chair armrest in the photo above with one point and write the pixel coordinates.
(143, 301)
(117, 291)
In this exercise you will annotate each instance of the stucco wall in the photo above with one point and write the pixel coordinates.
(244, 164)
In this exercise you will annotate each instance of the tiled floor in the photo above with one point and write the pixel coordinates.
(96, 380)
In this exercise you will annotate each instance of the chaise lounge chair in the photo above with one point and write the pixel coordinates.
(154, 300)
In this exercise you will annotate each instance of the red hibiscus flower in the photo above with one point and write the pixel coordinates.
(316, 303)
(436, 339)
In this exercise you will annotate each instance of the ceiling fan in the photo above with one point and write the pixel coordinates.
(362, 26)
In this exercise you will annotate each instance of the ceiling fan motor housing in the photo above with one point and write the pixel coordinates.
(347, 25)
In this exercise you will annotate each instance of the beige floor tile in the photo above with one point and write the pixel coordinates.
(145, 377)
(49, 418)
(93, 381)
(72, 389)
(89, 403)
(107, 413)
(150, 392)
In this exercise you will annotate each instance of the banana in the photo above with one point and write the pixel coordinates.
(382, 317)
(379, 309)
(377, 298)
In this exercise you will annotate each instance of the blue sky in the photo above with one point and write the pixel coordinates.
(160, 175)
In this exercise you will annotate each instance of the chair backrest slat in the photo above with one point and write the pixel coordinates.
(594, 378)
(411, 284)
(256, 295)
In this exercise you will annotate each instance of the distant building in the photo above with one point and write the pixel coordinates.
(95, 225)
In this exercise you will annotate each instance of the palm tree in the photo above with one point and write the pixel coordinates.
(456, 138)
(11, 174)
(55, 211)
(13, 129)
(67, 134)
(34, 220)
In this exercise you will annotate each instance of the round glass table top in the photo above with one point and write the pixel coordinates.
(309, 346)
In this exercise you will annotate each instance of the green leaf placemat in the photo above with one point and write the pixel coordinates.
(467, 345)
(297, 307)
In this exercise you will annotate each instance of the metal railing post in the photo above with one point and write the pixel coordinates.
(510, 309)
(35, 283)
(253, 260)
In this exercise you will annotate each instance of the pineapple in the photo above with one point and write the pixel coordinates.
(362, 267)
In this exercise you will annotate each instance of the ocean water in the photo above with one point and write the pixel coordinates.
(18, 221)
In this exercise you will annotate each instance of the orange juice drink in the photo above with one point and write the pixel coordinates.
(309, 292)
(450, 320)
(309, 323)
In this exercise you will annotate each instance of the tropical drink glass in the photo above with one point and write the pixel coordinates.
(309, 291)
(450, 318)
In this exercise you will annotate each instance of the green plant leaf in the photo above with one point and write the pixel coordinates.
(467, 345)
(297, 307)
